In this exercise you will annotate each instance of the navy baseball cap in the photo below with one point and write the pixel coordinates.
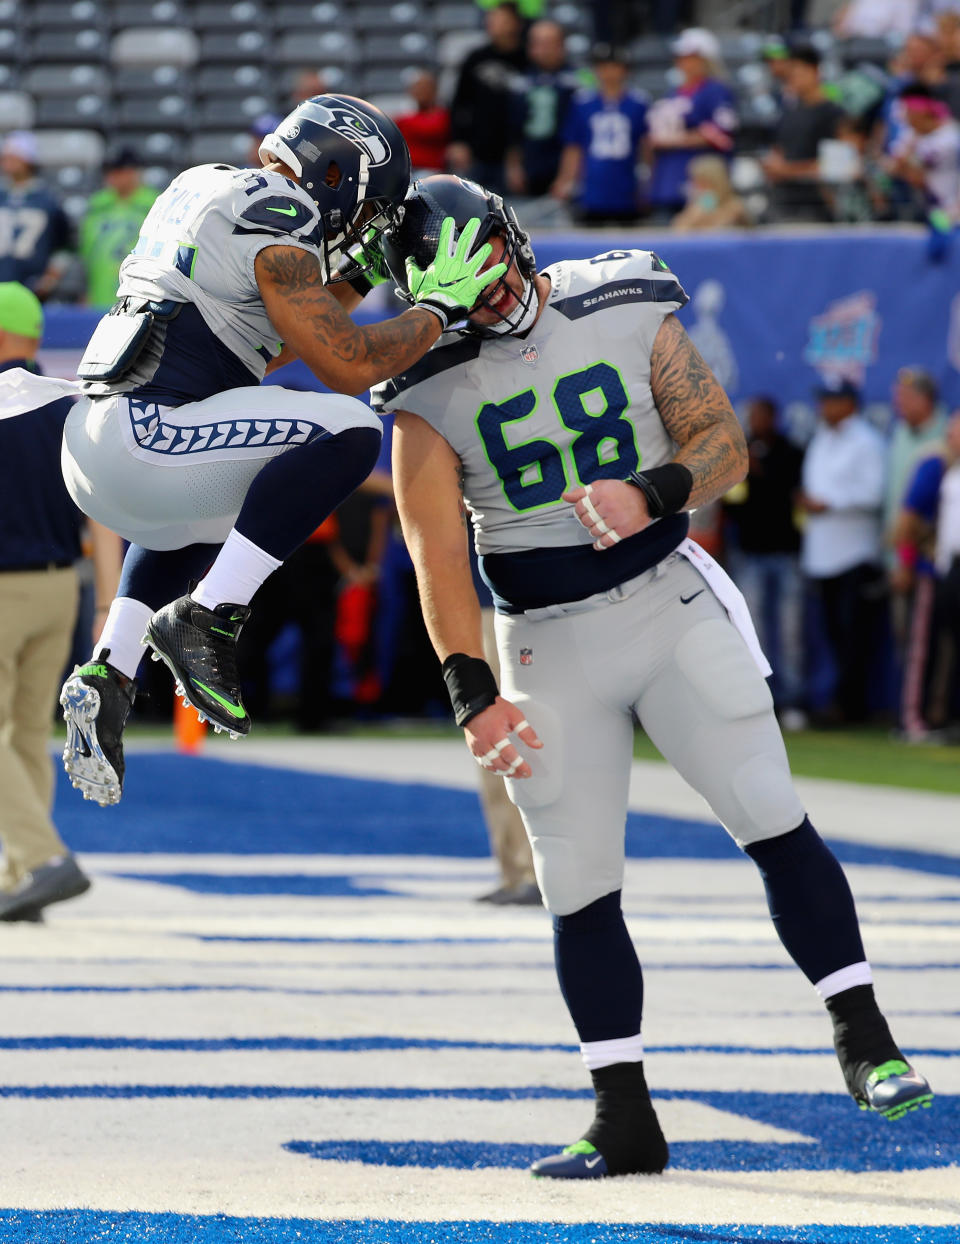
(837, 388)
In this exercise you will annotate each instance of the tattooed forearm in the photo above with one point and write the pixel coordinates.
(697, 414)
(310, 319)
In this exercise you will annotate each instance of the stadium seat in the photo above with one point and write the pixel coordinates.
(405, 49)
(84, 44)
(381, 18)
(16, 110)
(453, 17)
(217, 147)
(385, 79)
(157, 45)
(244, 13)
(65, 111)
(212, 79)
(53, 16)
(75, 179)
(143, 111)
(219, 112)
(9, 77)
(56, 147)
(11, 45)
(151, 80)
(66, 80)
(161, 13)
(239, 46)
(309, 16)
(154, 146)
(315, 47)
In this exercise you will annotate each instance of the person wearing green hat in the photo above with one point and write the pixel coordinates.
(39, 544)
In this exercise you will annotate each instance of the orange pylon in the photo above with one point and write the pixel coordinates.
(188, 729)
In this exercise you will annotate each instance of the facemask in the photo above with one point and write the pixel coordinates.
(521, 318)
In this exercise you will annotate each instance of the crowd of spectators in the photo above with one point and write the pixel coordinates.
(814, 126)
(848, 552)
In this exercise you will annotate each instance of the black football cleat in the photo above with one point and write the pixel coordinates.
(893, 1089)
(625, 1137)
(96, 700)
(578, 1161)
(199, 646)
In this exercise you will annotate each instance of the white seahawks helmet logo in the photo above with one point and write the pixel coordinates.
(359, 129)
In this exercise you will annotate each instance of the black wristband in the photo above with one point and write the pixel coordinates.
(666, 488)
(470, 685)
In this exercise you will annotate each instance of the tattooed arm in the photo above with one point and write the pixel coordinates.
(310, 320)
(428, 482)
(697, 414)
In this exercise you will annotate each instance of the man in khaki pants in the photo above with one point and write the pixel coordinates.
(39, 544)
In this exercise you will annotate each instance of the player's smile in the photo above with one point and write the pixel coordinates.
(501, 297)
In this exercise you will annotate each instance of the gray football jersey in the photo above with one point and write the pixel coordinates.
(199, 242)
(568, 404)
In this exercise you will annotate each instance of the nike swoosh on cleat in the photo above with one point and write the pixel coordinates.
(685, 600)
(284, 211)
(231, 708)
(591, 1163)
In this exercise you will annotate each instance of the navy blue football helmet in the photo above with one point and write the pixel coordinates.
(417, 233)
(352, 161)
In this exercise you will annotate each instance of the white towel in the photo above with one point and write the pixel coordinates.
(730, 596)
(22, 391)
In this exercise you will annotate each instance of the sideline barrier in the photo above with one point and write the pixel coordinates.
(772, 313)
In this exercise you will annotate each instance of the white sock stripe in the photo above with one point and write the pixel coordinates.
(597, 1054)
(845, 978)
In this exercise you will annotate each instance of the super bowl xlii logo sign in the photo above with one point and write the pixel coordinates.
(842, 342)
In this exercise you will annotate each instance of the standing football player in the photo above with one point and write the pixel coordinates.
(576, 420)
(177, 447)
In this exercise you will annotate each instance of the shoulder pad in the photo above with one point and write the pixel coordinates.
(270, 201)
(615, 278)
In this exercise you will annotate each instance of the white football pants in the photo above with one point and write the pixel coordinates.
(167, 476)
(579, 672)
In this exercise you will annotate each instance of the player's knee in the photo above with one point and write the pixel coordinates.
(764, 802)
(567, 881)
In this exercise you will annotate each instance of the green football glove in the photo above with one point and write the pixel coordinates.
(451, 285)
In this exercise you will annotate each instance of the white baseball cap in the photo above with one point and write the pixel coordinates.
(697, 42)
(23, 144)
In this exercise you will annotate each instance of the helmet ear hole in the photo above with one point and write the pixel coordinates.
(333, 175)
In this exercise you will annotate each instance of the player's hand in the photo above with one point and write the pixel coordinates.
(610, 509)
(451, 285)
(488, 737)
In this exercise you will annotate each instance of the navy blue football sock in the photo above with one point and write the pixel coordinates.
(158, 578)
(598, 970)
(810, 901)
(293, 493)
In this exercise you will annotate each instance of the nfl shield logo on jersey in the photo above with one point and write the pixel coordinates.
(526, 654)
(530, 355)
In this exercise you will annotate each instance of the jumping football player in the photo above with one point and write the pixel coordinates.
(576, 420)
(176, 446)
